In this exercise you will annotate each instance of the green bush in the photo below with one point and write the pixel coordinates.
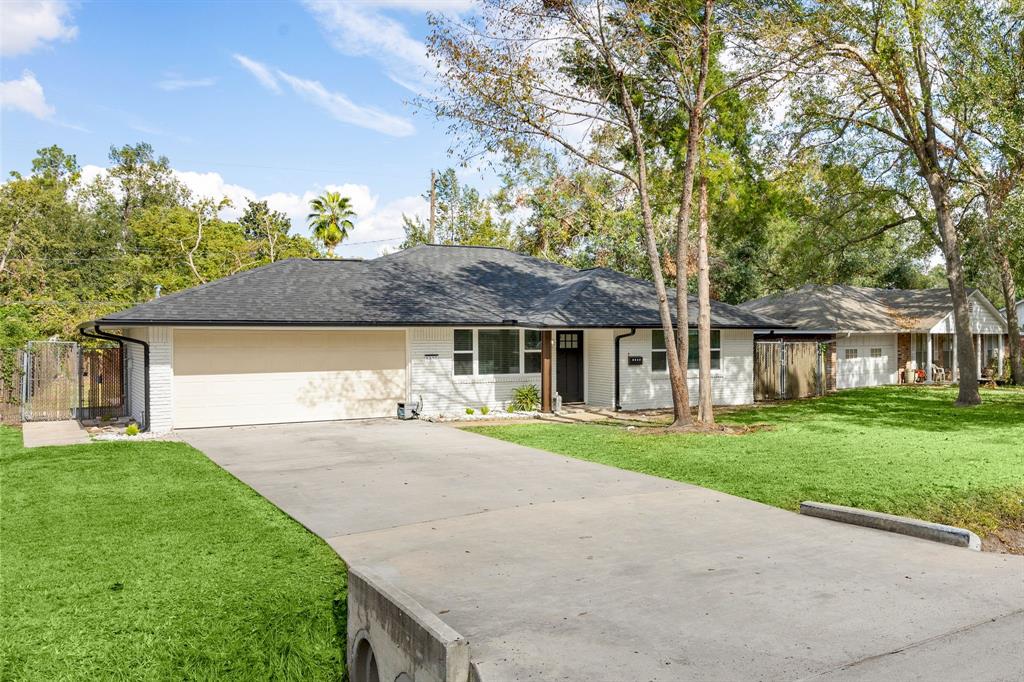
(525, 399)
(484, 410)
(470, 410)
(132, 430)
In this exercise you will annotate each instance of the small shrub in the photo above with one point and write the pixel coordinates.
(525, 399)
(132, 430)
(484, 410)
(470, 410)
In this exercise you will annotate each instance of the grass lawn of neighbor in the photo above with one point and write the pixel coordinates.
(146, 561)
(904, 451)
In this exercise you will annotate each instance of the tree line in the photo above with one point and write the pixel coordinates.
(73, 250)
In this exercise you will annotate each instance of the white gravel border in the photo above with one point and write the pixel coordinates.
(477, 416)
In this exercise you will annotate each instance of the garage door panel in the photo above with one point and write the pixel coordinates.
(865, 370)
(225, 378)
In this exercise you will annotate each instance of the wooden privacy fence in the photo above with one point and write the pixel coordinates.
(784, 370)
(57, 380)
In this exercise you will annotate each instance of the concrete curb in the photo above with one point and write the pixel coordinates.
(405, 638)
(936, 532)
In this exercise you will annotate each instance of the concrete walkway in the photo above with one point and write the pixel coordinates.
(558, 569)
(39, 434)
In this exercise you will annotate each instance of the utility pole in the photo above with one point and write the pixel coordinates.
(433, 202)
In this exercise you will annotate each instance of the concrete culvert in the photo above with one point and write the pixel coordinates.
(364, 668)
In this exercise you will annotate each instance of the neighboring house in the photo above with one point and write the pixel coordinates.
(1020, 313)
(441, 328)
(884, 336)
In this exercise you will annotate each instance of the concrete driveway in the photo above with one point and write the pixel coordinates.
(558, 569)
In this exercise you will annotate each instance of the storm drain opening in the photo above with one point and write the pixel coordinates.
(364, 668)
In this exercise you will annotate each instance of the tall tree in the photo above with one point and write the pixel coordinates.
(461, 216)
(330, 217)
(882, 87)
(142, 180)
(508, 91)
(986, 74)
(264, 227)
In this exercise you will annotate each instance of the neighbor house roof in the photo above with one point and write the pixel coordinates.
(844, 308)
(424, 285)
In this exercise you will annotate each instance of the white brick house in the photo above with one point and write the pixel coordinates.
(439, 328)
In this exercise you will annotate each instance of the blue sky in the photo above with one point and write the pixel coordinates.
(275, 100)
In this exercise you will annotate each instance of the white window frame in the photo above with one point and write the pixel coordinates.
(721, 357)
(476, 353)
(850, 354)
(523, 351)
(876, 352)
(471, 352)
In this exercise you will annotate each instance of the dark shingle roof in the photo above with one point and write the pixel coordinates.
(848, 308)
(425, 285)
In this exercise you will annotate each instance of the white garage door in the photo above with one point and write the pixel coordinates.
(866, 360)
(233, 377)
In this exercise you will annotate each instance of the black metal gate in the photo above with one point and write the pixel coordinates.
(102, 384)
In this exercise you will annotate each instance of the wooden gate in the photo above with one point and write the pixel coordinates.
(784, 370)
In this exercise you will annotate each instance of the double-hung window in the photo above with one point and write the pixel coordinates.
(463, 351)
(659, 358)
(531, 351)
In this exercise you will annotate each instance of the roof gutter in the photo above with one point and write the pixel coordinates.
(619, 337)
(110, 336)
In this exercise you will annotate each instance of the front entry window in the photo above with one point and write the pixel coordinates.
(499, 351)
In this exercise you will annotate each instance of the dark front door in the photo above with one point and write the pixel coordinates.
(569, 366)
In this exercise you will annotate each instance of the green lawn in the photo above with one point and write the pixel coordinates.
(146, 561)
(904, 451)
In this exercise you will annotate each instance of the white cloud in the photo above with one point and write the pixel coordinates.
(342, 108)
(336, 104)
(27, 24)
(361, 29)
(172, 83)
(25, 94)
(259, 71)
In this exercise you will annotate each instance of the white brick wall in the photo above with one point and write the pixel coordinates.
(161, 379)
(433, 379)
(642, 389)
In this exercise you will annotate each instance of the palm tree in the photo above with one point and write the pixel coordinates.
(330, 217)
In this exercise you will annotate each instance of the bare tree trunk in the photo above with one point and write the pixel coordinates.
(431, 235)
(8, 247)
(676, 371)
(705, 407)
(967, 359)
(190, 254)
(1013, 322)
(694, 134)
